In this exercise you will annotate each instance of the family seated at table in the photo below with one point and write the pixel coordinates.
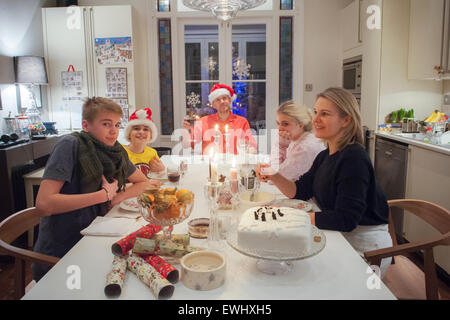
(229, 128)
(87, 171)
(341, 179)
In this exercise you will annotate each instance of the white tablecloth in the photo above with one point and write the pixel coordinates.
(338, 272)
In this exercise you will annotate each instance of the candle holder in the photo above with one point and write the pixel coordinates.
(212, 191)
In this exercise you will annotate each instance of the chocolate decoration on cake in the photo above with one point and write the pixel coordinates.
(263, 216)
(256, 215)
(279, 212)
(274, 217)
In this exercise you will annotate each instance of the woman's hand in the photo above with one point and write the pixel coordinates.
(111, 188)
(156, 165)
(264, 172)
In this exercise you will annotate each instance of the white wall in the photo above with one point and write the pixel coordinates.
(323, 48)
(20, 34)
(396, 90)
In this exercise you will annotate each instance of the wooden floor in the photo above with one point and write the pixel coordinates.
(401, 289)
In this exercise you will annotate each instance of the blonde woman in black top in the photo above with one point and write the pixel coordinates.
(342, 179)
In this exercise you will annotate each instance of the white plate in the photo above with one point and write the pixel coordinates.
(130, 205)
(293, 203)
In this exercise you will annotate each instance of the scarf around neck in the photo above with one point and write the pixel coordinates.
(96, 159)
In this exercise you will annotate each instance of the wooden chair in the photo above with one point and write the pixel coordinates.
(10, 229)
(436, 216)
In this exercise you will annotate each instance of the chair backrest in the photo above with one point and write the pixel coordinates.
(15, 225)
(435, 215)
(163, 151)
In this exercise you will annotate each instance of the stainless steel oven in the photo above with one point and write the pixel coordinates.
(351, 75)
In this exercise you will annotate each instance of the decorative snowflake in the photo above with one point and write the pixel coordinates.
(193, 99)
(209, 64)
(240, 69)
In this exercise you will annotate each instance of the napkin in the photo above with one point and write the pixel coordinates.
(110, 227)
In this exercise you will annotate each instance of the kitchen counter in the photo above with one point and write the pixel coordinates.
(429, 146)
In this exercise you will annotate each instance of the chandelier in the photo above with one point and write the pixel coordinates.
(223, 9)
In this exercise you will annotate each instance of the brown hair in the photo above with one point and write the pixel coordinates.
(93, 106)
(347, 105)
(300, 113)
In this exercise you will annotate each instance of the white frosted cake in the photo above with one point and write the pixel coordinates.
(274, 230)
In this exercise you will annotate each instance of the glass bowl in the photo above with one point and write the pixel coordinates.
(166, 217)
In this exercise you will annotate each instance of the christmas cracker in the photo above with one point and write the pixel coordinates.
(164, 248)
(165, 269)
(124, 245)
(114, 279)
(160, 286)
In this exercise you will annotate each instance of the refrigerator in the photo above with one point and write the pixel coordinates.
(89, 51)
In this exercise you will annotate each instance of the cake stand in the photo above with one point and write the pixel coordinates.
(277, 263)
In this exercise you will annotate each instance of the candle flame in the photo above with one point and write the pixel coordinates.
(226, 128)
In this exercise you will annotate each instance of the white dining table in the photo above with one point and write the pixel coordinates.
(337, 272)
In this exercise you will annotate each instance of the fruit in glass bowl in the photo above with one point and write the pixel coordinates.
(166, 207)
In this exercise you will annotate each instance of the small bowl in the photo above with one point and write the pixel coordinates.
(198, 228)
(203, 270)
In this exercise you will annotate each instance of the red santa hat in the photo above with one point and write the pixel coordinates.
(141, 117)
(220, 90)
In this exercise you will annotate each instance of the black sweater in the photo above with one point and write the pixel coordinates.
(344, 187)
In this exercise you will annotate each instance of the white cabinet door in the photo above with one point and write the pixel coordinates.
(112, 22)
(64, 45)
(425, 38)
(351, 26)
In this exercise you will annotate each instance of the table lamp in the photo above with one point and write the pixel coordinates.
(30, 70)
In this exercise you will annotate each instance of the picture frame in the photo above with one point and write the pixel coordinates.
(23, 96)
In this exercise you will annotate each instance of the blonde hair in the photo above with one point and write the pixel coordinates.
(300, 113)
(93, 106)
(347, 105)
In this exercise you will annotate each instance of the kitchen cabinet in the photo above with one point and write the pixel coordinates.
(92, 40)
(428, 178)
(429, 39)
(351, 26)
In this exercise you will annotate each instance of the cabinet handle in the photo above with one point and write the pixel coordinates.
(359, 22)
(388, 153)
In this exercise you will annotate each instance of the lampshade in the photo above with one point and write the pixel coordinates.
(30, 70)
(6, 70)
(223, 9)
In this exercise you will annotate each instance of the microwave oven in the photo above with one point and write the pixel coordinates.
(351, 75)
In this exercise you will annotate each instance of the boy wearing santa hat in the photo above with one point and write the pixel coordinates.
(221, 124)
(140, 131)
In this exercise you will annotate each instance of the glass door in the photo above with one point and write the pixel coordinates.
(248, 71)
(233, 54)
(201, 66)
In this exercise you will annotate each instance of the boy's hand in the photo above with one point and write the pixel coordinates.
(156, 165)
(153, 183)
(111, 188)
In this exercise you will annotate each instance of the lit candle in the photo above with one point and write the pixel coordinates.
(234, 178)
(226, 128)
(214, 172)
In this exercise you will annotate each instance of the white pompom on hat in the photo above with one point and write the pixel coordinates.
(141, 117)
(220, 90)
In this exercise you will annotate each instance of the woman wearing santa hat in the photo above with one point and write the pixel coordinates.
(219, 125)
(140, 131)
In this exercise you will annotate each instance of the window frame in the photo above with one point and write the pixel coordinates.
(246, 17)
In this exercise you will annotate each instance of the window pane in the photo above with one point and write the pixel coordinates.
(163, 5)
(286, 4)
(285, 58)
(193, 64)
(197, 98)
(251, 103)
(256, 57)
(165, 77)
(249, 59)
(201, 52)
